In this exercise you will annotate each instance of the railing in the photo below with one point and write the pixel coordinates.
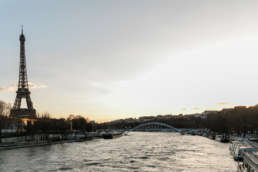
(159, 124)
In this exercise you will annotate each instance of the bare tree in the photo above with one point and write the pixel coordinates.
(2, 104)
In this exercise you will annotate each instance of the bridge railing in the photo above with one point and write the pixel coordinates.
(145, 125)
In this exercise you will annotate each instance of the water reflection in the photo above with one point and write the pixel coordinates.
(136, 152)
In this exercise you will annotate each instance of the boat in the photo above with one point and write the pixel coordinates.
(182, 132)
(107, 136)
(112, 135)
(250, 161)
(233, 147)
(240, 149)
(225, 138)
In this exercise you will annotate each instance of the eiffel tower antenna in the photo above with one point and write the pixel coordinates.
(23, 88)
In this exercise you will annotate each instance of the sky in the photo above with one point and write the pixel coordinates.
(117, 59)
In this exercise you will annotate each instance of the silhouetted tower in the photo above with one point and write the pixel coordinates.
(23, 88)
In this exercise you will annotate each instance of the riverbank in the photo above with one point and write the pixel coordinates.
(8, 143)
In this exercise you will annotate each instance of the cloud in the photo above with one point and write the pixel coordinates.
(99, 87)
(196, 108)
(9, 88)
(33, 85)
(222, 103)
(13, 87)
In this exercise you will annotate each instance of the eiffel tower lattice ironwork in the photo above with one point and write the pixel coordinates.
(23, 88)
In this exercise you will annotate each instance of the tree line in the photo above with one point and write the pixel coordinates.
(44, 123)
(240, 119)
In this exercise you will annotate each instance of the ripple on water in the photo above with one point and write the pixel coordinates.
(65, 168)
(132, 161)
(137, 152)
(93, 163)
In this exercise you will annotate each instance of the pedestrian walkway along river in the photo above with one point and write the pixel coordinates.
(139, 151)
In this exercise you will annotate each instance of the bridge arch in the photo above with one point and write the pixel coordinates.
(154, 123)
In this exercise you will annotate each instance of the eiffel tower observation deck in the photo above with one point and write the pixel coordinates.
(23, 88)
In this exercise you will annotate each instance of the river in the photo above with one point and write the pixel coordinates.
(139, 151)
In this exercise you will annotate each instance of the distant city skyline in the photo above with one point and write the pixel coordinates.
(111, 59)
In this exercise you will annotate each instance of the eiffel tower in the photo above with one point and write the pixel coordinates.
(23, 88)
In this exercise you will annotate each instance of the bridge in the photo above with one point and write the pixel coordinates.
(154, 126)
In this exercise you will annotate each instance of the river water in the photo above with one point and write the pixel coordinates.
(139, 151)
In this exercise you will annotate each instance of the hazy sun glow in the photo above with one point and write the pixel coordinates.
(116, 60)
